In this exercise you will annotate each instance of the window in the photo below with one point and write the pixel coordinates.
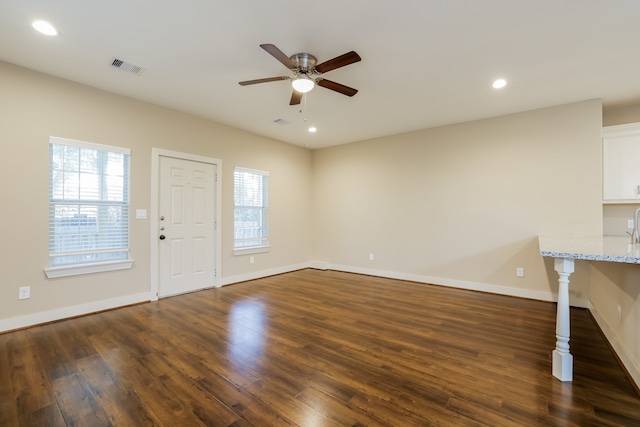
(251, 214)
(88, 207)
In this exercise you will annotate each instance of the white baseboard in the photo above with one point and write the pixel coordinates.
(460, 284)
(453, 283)
(621, 351)
(25, 321)
(224, 281)
(66, 312)
(318, 265)
(72, 311)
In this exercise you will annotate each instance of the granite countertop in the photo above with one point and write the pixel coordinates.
(605, 248)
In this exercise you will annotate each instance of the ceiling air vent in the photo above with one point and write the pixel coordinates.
(281, 122)
(126, 66)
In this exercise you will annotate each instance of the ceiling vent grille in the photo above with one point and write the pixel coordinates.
(281, 122)
(126, 66)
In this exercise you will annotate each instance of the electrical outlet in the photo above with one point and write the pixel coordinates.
(629, 223)
(520, 272)
(370, 257)
(251, 260)
(24, 292)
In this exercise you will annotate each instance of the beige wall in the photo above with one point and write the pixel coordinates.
(460, 205)
(612, 286)
(464, 204)
(621, 115)
(34, 106)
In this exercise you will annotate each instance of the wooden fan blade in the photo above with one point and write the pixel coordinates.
(338, 61)
(345, 90)
(279, 55)
(296, 97)
(267, 80)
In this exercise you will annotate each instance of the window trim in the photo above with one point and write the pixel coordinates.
(55, 271)
(88, 268)
(259, 248)
(252, 250)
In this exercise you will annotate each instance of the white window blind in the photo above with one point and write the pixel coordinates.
(251, 213)
(88, 202)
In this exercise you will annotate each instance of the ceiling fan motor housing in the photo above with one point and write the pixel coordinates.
(304, 62)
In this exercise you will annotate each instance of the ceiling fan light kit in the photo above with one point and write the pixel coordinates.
(303, 84)
(306, 74)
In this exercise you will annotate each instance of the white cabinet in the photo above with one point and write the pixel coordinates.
(621, 163)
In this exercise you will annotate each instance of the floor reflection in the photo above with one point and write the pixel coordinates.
(247, 323)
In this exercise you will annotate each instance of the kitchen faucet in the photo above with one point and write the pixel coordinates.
(635, 237)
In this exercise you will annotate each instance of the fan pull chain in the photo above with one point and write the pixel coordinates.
(305, 107)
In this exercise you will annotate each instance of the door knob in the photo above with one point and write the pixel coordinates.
(162, 237)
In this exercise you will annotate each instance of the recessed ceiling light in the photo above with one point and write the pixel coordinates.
(312, 129)
(45, 28)
(500, 83)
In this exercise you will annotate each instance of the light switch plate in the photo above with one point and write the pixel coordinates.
(141, 214)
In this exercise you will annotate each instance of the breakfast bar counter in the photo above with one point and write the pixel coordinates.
(604, 248)
(565, 251)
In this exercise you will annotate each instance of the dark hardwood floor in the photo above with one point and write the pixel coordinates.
(313, 348)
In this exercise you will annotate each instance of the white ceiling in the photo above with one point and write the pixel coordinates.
(425, 63)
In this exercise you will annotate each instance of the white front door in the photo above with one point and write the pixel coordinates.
(186, 226)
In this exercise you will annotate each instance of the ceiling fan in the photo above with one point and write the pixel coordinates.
(307, 73)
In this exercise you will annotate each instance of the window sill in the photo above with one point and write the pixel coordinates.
(96, 267)
(252, 250)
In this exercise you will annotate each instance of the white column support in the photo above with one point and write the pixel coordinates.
(562, 362)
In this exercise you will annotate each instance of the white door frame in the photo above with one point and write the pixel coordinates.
(156, 153)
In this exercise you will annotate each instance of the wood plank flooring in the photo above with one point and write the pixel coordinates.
(313, 348)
